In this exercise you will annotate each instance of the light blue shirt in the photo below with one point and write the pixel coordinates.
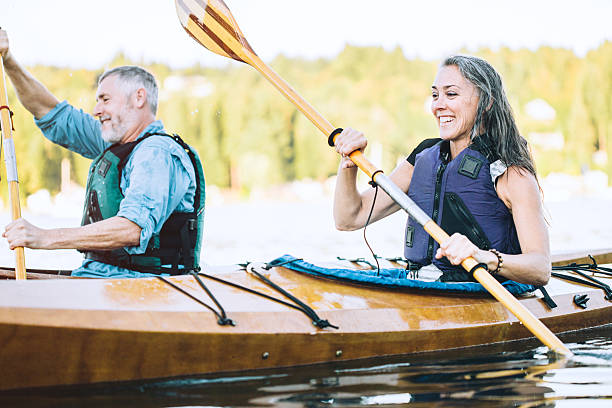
(158, 178)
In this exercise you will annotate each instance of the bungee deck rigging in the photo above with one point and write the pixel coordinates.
(222, 318)
(396, 278)
(584, 278)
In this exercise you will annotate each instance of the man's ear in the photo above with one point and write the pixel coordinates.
(140, 97)
(490, 104)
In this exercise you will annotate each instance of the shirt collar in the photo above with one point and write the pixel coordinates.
(155, 126)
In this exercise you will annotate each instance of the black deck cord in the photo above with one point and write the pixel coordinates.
(235, 285)
(588, 280)
(397, 259)
(299, 305)
(356, 260)
(375, 185)
(547, 298)
(576, 279)
(307, 310)
(584, 267)
(600, 269)
(222, 319)
(597, 281)
(593, 268)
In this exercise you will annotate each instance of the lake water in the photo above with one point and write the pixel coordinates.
(274, 223)
(512, 375)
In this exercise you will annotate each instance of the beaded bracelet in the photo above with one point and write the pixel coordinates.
(500, 261)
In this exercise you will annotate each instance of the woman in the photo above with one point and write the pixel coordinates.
(477, 181)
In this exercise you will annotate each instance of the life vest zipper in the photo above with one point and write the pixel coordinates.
(436, 206)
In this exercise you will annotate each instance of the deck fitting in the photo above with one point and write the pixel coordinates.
(581, 300)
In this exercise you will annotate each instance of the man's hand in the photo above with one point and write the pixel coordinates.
(4, 44)
(21, 233)
(34, 96)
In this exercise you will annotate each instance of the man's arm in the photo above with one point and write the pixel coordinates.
(65, 125)
(112, 233)
(34, 96)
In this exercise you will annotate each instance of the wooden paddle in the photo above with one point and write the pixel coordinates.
(11, 167)
(212, 25)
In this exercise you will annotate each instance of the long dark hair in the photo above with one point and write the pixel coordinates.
(494, 114)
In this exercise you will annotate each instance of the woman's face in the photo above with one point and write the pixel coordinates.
(454, 104)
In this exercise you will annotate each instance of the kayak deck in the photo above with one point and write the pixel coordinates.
(80, 331)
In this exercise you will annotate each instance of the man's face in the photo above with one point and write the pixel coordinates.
(114, 109)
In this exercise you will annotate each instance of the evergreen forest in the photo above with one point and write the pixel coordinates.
(249, 136)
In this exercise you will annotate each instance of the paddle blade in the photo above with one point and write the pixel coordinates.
(211, 24)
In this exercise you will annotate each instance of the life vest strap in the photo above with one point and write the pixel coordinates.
(131, 262)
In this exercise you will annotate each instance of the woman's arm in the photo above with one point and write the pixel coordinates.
(519, 190)
(351, 208)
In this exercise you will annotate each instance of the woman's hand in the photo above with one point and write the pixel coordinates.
(347, 142)
(458, 247)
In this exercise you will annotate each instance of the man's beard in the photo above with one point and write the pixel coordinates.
(119, 126)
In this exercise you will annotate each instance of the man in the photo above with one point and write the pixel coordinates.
(145, 191)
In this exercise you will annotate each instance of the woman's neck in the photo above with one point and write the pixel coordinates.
(457, 146)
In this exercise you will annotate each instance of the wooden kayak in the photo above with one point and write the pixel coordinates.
(84, 331)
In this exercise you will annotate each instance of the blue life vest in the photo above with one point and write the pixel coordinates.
(460, 196)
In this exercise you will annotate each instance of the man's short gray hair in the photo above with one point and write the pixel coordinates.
(133, 78)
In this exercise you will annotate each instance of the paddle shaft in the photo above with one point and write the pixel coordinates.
(311, 113)
(11, 168)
